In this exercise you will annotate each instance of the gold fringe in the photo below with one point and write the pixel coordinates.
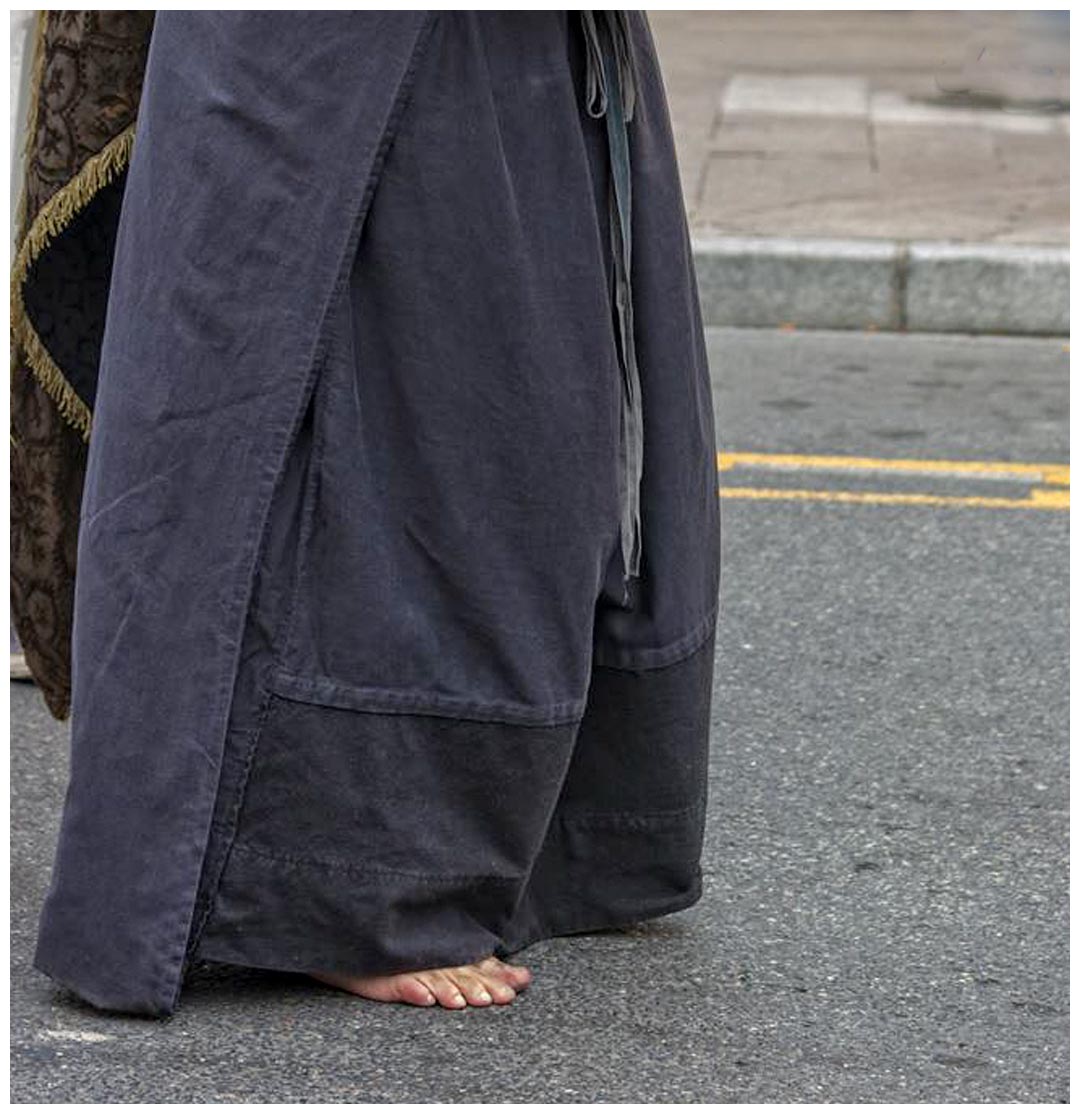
(47, 372)
(52, 218)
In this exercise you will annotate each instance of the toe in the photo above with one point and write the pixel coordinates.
(501, 993)
(495, 976)
(472, 985)
(410, 989)
(512, 975)
(444, 988)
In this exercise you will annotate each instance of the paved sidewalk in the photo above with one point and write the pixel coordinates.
(905, 128)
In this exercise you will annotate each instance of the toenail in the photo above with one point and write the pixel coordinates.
(458, 1000)
(484, 996)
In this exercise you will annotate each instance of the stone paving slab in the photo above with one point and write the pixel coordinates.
(958, 121)
(911, 133)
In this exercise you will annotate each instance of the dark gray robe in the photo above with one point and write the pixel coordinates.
(356, 683)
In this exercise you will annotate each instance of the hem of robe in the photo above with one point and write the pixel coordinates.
(522, 833)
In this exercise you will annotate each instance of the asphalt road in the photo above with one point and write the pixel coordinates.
(885, 917)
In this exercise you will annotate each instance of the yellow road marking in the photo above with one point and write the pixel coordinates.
(988, 469)
(1053, 495)
(1037, 500)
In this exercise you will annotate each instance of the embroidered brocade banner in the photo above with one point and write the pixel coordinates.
(86, 82)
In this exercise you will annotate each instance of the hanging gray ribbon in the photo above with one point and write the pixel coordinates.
(611, 91)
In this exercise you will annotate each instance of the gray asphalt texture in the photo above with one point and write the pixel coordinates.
(885, 916)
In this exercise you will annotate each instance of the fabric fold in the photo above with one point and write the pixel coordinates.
(611, 91)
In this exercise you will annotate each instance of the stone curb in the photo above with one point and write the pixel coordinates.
(917, 286)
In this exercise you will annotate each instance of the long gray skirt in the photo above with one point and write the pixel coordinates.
(356, 684)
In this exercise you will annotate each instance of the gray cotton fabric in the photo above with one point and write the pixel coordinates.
(360, 680)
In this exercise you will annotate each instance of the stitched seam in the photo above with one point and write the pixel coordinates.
(683, 647)
(345, 867)
(590, 819)
(230, 826)
(327, 693)
(311, 488)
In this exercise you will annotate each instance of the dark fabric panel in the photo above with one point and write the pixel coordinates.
(371, 842)
(644, 743)
(625, 841)
(412, 793)
(293, 915)
(382, 840)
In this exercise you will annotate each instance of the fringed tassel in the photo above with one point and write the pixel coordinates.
(53, 217)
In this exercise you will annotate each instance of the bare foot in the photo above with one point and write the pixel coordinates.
(475, 984)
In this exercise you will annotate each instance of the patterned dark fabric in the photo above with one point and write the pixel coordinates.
(86, 83)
